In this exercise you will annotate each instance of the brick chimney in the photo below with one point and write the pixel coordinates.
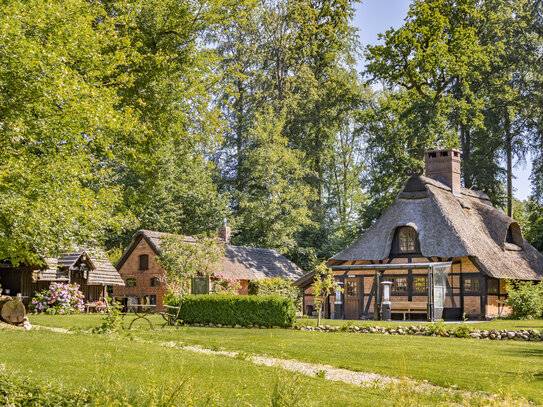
(224, 233)
(444, 166)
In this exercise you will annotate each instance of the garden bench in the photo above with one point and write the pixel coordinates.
(408, 307)
(170, 318)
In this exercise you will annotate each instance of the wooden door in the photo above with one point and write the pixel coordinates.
(352, 298)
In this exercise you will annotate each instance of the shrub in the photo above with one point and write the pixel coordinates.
(225, 285)
(58, 299)
(436, 328)
(463, 330)
(525, 298)
(238, 310)
(276, 286)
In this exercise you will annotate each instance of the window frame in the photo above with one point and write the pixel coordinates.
(420, 292)
(471, 290)
(349, 292)
(131, 282)
(411, 237)
(146, 262)
(394, 286)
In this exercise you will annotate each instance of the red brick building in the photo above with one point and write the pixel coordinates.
(445, 250)
(144, 276)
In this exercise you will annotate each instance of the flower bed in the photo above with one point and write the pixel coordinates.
(58, 299)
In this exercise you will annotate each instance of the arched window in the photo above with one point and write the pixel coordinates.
(405, 241)
(144, 262)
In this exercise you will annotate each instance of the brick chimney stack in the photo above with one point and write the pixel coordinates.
(224, 233)
(444, 166)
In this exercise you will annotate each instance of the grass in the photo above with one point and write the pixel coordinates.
(511, 368)
(123, 371)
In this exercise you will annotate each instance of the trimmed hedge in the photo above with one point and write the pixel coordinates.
(238, 310)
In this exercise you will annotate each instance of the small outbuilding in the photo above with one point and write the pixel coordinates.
(446, 250)
(90, 268)
(144, 276)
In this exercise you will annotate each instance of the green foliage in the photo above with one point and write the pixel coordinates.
(238, 310)
(437, 328)
(288, 391)
(20, 391)
(183, 259)
(525, 298)
(323, 285)
(463, 330)
(59, 119)
(112, 321)
(276, 286)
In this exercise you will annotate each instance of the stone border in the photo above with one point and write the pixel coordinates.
(432, 330)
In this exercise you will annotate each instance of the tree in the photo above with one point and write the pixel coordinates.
(58, 116)
(324, 284)
(273, 206)
(185, 257)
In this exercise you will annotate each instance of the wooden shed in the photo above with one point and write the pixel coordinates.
(90, 268)
(433, 220)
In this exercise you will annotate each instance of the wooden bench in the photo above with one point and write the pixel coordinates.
(408, 307)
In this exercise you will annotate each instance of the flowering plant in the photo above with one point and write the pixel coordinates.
(58, 299)
(225, 285)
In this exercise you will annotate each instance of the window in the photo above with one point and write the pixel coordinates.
(155, 282)
(351, 288)
(399, 284)
(144, 262)
(420, 285)
(407, 238)
(130, 282)
(152, 299)
(472, 285)
(493, 286)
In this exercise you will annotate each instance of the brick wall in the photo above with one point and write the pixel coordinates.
(130, 269)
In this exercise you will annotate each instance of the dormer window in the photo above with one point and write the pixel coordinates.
(513, 238)
(405, 241)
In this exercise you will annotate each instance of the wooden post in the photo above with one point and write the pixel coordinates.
(377, 305)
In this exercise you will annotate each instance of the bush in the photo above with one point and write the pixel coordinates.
(58, 299)
(238, 310)
(276, 286)
(525, 298)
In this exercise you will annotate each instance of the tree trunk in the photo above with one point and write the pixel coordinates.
(13, 311)
(509, 158)
(465, 138)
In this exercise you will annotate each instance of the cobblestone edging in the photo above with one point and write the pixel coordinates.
(503, 335)
(428, 330)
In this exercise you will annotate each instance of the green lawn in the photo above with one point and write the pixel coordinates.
(512, 368)
(125, 371)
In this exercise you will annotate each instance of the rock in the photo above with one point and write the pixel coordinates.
(373, 330)
(475, 335)
(492, 336)
(400, 331)
(511, 335)
(237, 326)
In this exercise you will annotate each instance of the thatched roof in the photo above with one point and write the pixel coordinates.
(100, 272)
(451, 226)
(240, 263)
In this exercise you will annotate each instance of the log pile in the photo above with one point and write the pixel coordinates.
(13, 311)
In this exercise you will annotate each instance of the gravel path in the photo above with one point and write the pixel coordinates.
(348, 376)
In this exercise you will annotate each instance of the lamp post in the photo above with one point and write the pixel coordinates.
(385, 305)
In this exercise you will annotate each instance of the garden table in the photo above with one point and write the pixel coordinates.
(140, 311)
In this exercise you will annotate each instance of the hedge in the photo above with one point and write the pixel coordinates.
(241, 310)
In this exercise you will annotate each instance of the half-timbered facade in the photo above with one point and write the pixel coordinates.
(433, 223)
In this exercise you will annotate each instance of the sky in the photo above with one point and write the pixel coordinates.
(376, 16)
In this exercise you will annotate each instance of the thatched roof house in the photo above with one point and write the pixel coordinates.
(144, 275)
(433, 219)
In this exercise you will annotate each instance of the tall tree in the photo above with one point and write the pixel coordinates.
(58, 117)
